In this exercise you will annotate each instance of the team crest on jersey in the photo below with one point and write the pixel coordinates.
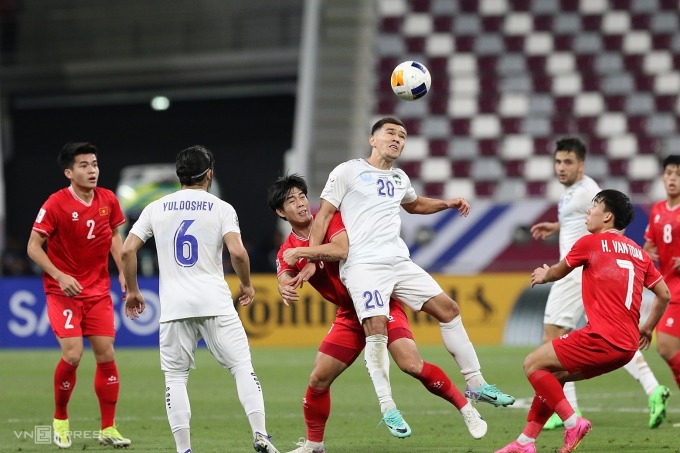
(104, 211)
(656, 218)
(397, 180)
(41, 215)
(74, 216)
(365, 176)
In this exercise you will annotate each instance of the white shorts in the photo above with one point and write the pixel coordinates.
(564, 307)
(224, 336)
(372, 285)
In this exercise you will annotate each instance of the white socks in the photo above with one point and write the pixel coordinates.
(639, 369)
(570, 393)
(458, 344)
(378, 366)
(250, 394)
(178, 408)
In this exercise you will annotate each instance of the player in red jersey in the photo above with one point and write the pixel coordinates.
(346, 339)
(615, 269)
(662, 242)
(80, 226)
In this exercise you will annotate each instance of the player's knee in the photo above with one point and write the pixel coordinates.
(72, 357)
(411, 366)
(321, 380)
(442, 308)
(376, 325)
(664, 350)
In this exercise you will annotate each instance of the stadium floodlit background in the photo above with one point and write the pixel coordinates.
(274, 87)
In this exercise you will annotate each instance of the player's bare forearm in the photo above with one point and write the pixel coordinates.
(321, 222)
(325, 252)
(662, 297)
(547, 274)
(425, 205)
(128, 257)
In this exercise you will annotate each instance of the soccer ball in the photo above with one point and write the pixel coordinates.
(411, 80)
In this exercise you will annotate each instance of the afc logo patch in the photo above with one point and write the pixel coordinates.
(104, 211)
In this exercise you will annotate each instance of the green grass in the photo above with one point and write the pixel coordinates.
(614, 403)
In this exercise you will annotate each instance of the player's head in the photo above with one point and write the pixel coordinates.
(287, 197)
(618, 204)
(385, 134)
(195, 165)
(671, 175)
(570, 156)
(68, 153)
(387, 120)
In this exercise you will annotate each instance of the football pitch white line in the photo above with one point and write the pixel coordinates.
(525, 403)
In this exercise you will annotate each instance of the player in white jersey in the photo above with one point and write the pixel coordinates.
(564, 308)
(369, 194)
(191, 227)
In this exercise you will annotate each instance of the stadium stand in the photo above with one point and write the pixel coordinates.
(510, 76)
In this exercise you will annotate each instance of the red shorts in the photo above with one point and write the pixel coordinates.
(71, 317)
(670, 321)
(585, 351)
(346, 339)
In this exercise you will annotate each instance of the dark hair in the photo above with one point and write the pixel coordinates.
(572, 144)
(387, 120)
(618, 204)
(68, 153)
(193, 163)
(673, 159)
(278, 192)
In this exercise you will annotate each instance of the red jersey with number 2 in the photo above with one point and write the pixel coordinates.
(615, 269)
(79, 238)
(326, 279)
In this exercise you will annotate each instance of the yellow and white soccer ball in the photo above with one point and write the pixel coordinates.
(411, 80)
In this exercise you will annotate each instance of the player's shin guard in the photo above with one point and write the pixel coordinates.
(458, 344)
(250, 394)
(107, 386)
(674, 364)
(438, 383)
(316, 408)
(64, 382)
(378, 366)
(178, 408)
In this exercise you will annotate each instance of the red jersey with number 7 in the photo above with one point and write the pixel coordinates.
(79, 238)
(615, 269)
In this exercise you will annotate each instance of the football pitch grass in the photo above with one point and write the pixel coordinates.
(614, 403)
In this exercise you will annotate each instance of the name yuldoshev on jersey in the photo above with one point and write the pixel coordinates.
(189, 205)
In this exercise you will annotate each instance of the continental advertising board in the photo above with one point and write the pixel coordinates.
(485, 300)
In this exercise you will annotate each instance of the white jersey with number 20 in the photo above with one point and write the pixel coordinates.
(369, 200)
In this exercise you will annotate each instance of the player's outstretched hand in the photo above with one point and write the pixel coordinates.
(461, 205)
(544, 230)
(538, 276)
(134, 304)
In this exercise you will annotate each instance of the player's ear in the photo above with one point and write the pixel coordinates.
(280, 213)
(68, 173)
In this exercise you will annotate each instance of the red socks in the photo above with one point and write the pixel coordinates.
(64, 381)
(674, 364)
(551, 394)
(106, 386)
(316, 408)
(438, 383)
